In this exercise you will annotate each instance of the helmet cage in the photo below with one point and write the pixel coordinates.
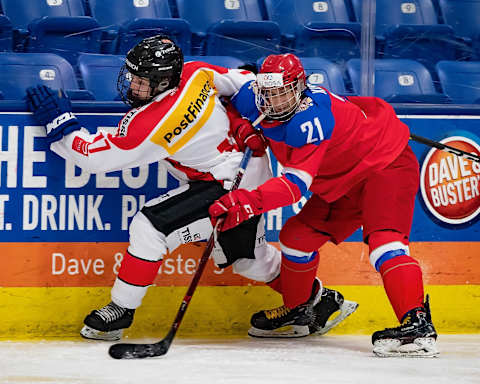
(277, 99)
(124, 81)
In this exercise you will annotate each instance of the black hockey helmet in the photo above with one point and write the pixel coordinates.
(156, 59)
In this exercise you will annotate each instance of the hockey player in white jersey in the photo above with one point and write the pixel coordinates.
(177, 117)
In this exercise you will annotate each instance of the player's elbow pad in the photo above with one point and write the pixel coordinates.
(279, 192)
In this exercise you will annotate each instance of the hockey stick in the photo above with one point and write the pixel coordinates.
(444, 147)
(139, 351)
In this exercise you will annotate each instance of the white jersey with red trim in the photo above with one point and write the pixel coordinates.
(187, 126)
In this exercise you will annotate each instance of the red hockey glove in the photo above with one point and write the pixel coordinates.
(235, 207)
(247, 136)
(244, 134)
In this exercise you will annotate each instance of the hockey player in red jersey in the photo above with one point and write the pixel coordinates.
(353, 155)
(177, 117)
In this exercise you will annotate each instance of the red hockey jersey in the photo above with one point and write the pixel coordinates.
(331, 144)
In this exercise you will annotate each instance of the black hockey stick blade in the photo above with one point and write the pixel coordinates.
(141, 351)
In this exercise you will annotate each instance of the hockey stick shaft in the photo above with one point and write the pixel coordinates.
(134, 351)
(211, 241)
(444, 147)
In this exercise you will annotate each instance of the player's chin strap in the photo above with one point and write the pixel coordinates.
(139, 351)
(444, 147)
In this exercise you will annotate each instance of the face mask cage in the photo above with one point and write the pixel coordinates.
(277, 100)
(137, 94)
(137, 91)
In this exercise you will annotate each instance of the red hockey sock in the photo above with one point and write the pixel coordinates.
(276, 284)
(136, 271)
(402, 280)
(297, 281)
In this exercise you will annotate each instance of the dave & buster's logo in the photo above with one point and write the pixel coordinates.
(450, 184)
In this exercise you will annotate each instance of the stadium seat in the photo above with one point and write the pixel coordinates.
(399, 81)
(324, 73)
(23, 12)
(410, 30)
(18, 71)
(460, 80)
(464, 17)
(201, 17)
(64, 36)
(232, 28)
(390, 13)
(132, 33)
(52, 26)
(133, 20)
(316, 28)
(222, 61)
(125, 11)
(5, 34)
(100, 73)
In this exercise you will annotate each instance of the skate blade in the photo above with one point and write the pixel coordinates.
(346, 309)
(93, 334)
(421, 347)
(292, 331)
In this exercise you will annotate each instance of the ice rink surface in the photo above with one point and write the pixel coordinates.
(322, 360)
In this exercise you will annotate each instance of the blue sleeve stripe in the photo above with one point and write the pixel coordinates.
(244, 102)
(387, 256)
(300, 259)
(298, 181)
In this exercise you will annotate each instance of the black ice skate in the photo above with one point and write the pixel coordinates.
(107, 323)
(273, 322)
(308, 318)
(415, 337)
(331, 303)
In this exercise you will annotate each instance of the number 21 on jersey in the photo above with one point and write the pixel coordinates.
(314, 130)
